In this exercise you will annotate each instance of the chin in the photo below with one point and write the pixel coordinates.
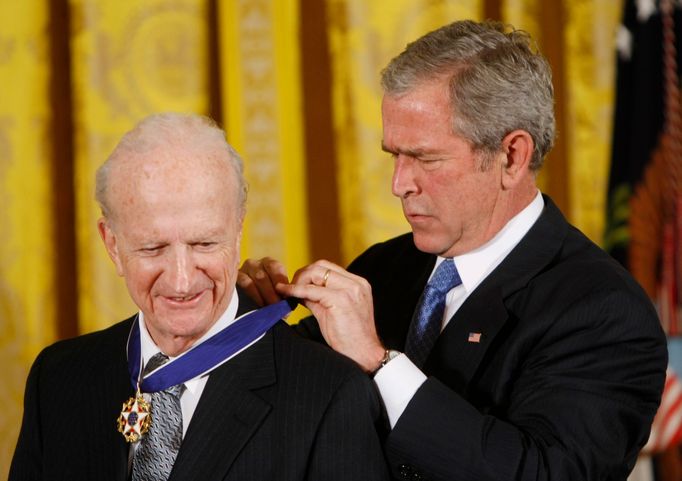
(188, 325)
(425, 244)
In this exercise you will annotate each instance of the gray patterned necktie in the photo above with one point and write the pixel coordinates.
(156, 454)
(428, 318)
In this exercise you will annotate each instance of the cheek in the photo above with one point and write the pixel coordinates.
(222, 268)
(460, 200)
(142, 273)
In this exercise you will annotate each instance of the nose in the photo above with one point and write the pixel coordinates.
(180, 270)
(404, 183)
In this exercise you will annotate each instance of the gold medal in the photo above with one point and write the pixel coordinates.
(135, 418)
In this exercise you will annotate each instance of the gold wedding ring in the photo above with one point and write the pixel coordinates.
(326, 276)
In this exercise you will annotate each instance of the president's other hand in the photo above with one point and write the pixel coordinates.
(258, 278)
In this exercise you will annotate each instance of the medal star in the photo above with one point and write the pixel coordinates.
(134, 418)
(133, 422)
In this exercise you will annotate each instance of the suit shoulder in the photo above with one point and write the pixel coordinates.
(585, 264)
(402, 244)
(592, 291)
(87, 348)
(315, 359)
(378, 256)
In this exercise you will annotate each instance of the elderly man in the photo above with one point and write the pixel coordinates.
(234, 401)
(504, 344)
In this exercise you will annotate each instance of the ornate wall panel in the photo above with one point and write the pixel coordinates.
(590, 67)
(364, 36)
(27, 312)
(261, 81)
(130, 59)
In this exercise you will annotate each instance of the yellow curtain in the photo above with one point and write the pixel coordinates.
(589, 48)
(261, 80)
(363, 37)
(130, 59)
(27, 309)
(524, 15)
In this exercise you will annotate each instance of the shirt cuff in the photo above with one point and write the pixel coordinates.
(398, 381)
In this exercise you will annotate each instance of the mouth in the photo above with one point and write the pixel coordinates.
(416, 217)
(186, 301)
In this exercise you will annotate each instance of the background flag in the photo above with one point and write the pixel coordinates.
(644, 219)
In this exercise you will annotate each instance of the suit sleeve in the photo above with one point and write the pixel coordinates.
(27, 461)
(581, 401)
(347, 445)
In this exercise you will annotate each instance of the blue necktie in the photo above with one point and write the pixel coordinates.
(428, 317)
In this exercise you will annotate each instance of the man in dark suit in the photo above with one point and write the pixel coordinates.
(233, 402)
(504, 344)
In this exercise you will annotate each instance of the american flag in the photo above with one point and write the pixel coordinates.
(667, 427)
(474, 337)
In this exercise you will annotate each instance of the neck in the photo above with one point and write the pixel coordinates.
(174, 346)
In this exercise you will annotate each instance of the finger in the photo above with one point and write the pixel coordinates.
(314, 273)
(264, 274)
(275, 270)
(251, 266)
(326, 274)
(266, 287)
(305, 292)
(249, 286)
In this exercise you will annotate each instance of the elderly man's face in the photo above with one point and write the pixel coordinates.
(174, 236)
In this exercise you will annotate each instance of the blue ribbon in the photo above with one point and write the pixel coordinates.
(209, 353)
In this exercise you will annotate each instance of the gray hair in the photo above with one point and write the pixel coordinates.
(193, 131)
(498, 82)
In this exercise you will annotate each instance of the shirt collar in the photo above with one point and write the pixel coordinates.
(475, 266)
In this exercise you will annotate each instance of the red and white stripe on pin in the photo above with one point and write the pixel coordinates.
(474, 337)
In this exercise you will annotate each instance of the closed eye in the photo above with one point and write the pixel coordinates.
(204, 245)
(151, 250)
(429, 163)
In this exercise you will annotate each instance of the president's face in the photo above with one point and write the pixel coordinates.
(452, 204)
(174, 236)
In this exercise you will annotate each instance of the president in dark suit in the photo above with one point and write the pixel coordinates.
(504, 344)
(226, 401)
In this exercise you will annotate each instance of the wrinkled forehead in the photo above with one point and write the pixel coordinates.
(172, 171)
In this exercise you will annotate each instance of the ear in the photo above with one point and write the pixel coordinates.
(238, 246)
(109, 238)
(517, 148)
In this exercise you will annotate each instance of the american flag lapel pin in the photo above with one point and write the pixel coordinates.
(474, 337)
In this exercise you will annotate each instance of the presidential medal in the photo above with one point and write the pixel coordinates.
(134, 420)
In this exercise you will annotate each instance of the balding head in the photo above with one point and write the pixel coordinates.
(172, 142)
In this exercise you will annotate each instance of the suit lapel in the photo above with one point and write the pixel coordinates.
(228, 413)
(113, 388)
(393, 322)
(456, 356)
(120, 390)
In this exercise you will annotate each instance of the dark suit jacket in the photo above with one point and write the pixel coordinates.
(564, 383)
(285, 409)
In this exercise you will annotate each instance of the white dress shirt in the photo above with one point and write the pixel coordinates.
(400, 379)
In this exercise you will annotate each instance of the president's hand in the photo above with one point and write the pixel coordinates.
(342, 303)
(258, 278)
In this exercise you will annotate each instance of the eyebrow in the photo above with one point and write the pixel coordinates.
(408, 152)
